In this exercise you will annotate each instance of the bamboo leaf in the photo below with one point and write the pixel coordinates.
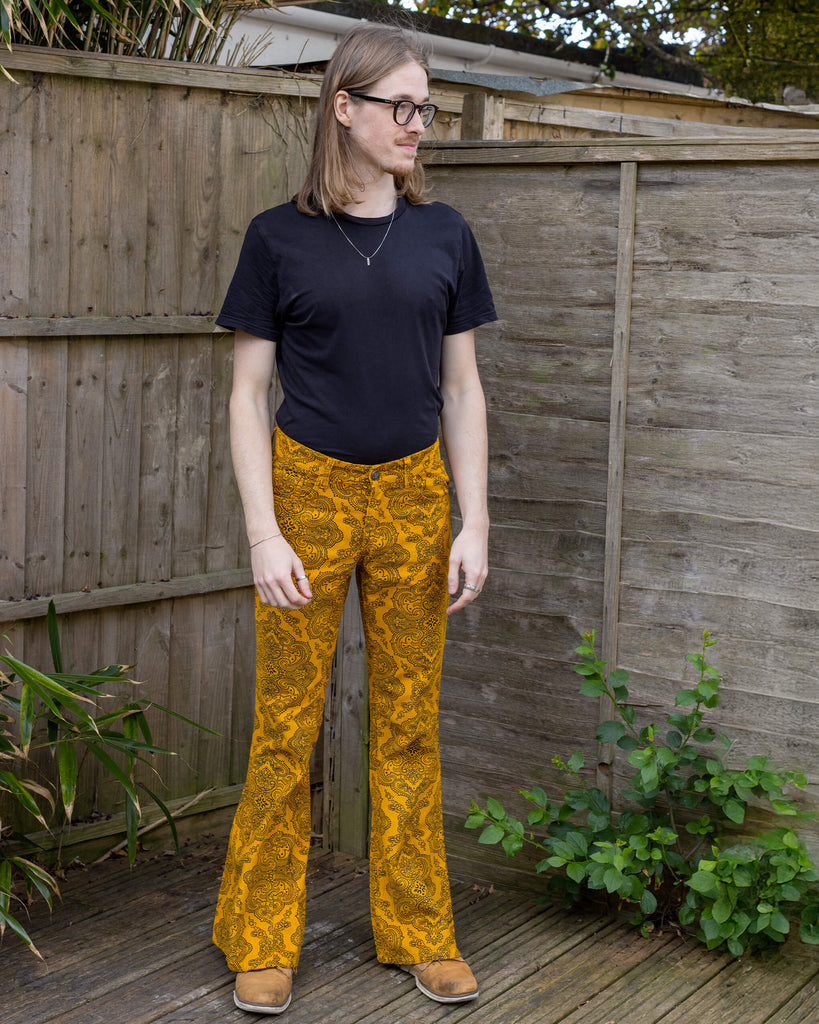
(132, 816)
(54, 637)
(168, 816)
(182, 718)
(21, 794)
(144, 727)
(26, 719)
(115, 770)
(19, 931)
(41, 682)
(42, 881)
(5, 885)
(67, 763)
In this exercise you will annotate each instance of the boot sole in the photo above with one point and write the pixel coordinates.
(438, 997)
(261, 1007)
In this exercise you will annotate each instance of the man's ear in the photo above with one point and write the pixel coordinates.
(342, 104)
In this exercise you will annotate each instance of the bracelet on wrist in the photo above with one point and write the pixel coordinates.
(269, 537)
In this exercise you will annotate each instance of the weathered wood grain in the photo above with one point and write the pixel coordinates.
(617, 438)
(624, 123)
(60, 327)
(346, 815)
(77, 64)
(781, 146)
(767, 478)
(13, 399)
(535, 964)
(16, 130)
(684, 375)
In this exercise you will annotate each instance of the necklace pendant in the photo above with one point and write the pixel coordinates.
(368, 261)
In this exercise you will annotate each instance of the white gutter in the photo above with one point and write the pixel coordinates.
(301, 34)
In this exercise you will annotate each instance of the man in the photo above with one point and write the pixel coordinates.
(366, 298)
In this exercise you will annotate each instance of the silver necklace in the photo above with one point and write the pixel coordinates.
(352, 243)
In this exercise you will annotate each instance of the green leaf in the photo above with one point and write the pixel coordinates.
(722, 909)
(475, 820)
(132, 816)
(67, 764)
(576, 761)
(5, 884)
(495, 809)
(512, 844)
(685, 697)
(780, 923)
(703, 881)
(182, 718)
(539, 796)
(649, 777)
(54, 637)
(648, 902)
(37, 877)
(594, 687)
(709, 927)
(639, 758)
(576, 871)
(114, 770)
(628, 743)
(168, 816)
(21, 794)
(610, 732)
(618, 678)
(26, 717)
(612, 879)
(734, 810)
(491, 834)
(19, 931)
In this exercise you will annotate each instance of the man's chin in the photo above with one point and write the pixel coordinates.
(402, 168)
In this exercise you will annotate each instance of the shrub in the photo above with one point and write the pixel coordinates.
(667, 855)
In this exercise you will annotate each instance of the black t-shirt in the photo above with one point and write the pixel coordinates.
(358, 347)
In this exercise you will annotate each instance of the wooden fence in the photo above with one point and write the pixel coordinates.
(653, 416)
(127, 188)
(654, 453)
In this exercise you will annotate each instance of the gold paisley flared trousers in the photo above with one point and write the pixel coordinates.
(390, 525)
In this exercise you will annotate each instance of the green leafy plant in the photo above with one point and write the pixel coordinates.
(666, 855)
(191, 30)
(70, 715)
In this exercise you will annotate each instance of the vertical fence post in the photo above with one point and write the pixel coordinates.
(482, 116)
(617, 447)
(346, 739)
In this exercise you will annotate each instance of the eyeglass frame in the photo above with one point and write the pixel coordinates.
(416, 108)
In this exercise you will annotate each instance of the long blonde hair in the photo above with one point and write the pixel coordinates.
(364, 56)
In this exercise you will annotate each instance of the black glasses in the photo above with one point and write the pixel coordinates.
(403, 111)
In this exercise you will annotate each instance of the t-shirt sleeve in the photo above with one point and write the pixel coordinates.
(471, 305)
(252, 297)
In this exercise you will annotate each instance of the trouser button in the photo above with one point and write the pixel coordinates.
(376, 473)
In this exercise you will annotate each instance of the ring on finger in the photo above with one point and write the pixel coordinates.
(472, 587)
(300, 578)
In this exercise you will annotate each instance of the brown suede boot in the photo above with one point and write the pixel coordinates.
(445, 981)
(265, 991)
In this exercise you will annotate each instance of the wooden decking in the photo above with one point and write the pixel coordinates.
(134, 948)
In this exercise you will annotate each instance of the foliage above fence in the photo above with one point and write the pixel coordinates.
(187, 30)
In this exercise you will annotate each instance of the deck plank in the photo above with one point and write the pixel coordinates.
(140, 940)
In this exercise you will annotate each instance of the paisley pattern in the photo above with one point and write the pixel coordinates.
(390, 525)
